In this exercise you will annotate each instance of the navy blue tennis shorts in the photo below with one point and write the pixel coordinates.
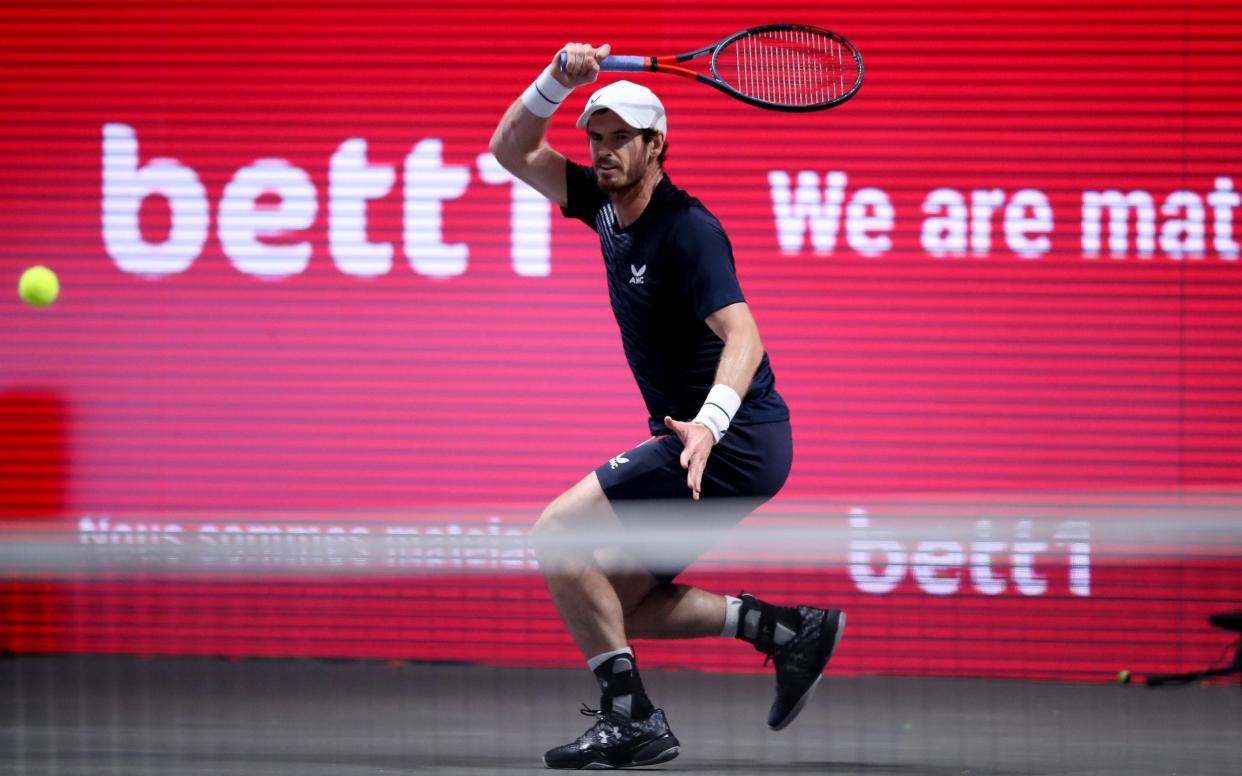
(646, 487)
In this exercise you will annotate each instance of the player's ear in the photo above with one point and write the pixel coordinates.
(657, 146)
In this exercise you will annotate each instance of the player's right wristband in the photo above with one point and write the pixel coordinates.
(545, 95)
(718, 409)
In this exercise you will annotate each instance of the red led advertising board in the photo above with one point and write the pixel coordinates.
(298, 292)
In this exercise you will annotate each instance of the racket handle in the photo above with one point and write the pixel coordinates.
(618, 64)
(624, 64)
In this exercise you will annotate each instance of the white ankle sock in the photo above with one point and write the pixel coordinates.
(733, 607)
(599, 660)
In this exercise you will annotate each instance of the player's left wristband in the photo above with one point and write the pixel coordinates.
(545, 95)
(718, 410)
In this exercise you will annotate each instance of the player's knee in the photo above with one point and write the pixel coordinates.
(543, 532)
(550, 533)
(635, 592)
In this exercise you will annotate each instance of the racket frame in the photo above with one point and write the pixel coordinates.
(670, 64)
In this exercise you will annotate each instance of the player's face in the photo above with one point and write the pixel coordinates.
(619, 154)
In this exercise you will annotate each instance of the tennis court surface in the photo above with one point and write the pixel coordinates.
(175, 716)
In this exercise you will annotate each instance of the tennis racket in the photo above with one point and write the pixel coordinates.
(786, 67)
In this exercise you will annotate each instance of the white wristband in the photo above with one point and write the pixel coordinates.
(718, 409)
(545, 95)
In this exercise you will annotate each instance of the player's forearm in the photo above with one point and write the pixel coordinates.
(524, 126)
(518, 135)
(739, 359)
(743, 351)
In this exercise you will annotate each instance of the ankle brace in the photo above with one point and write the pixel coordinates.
(621, 688)
(764, 625)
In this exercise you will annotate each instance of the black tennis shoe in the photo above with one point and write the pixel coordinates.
(800, 662)
(615, 741)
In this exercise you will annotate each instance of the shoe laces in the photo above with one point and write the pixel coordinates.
(587, 711)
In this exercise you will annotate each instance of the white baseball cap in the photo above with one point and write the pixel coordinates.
(635, 105)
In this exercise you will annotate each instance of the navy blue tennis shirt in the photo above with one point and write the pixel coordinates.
(667, 272)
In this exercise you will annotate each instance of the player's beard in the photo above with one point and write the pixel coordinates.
(621, 179)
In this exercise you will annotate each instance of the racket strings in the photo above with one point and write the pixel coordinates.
(789, 67)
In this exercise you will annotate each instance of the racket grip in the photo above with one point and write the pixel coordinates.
(624, 64)
(618, 64)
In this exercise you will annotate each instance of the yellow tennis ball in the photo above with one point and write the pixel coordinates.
(39, 286)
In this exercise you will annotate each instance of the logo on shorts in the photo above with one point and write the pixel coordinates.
(615, 462)
(637, 280)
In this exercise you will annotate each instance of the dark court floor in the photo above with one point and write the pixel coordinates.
(192, 716)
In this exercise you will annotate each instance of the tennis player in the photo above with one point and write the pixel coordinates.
(721, 442)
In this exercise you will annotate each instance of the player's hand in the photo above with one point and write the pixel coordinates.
(582, 63)
(697, 443)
